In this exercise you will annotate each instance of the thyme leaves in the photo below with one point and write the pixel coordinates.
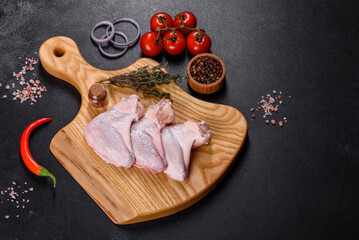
(145, 79)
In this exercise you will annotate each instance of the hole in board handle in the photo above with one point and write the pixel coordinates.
(59, 52)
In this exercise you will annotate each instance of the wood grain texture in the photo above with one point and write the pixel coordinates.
(135, 195)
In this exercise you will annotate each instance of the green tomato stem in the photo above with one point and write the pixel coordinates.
(180, 28)
(182, 17)
(199, 37)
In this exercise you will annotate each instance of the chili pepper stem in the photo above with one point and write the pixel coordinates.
(45, 173)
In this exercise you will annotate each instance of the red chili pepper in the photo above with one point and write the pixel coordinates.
(25, 151)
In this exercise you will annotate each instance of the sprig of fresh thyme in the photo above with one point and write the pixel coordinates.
(145, 79)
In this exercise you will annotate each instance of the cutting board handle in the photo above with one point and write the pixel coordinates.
(61, 57)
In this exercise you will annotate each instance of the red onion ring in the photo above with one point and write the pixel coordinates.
(110, 55)
(105, 38)
(131, 43)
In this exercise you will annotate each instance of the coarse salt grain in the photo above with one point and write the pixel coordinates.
(32, 88)
(13, 197)
(270, 105)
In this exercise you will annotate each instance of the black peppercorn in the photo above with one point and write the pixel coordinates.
(206, 70)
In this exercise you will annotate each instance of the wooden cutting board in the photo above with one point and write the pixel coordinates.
(135, 195)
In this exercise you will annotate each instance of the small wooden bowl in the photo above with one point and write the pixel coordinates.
(201, 87)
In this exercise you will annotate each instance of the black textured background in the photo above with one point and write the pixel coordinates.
(296, 182)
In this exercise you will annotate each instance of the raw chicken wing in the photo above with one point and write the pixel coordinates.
(109, 133)
(146, 136)
(178, 140)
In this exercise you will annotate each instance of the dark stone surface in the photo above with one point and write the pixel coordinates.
(296, 182)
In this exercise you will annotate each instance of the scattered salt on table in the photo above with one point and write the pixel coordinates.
(14, 197)
(32, 89)
(270, 104)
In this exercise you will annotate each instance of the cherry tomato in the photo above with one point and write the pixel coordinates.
(196, 45)
(148, 44)
(156, 22)
(189, 20)
(175, 46)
